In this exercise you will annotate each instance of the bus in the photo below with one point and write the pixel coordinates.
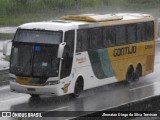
(79, 52)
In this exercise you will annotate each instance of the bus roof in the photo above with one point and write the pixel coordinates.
(105, 17)
(70, 22)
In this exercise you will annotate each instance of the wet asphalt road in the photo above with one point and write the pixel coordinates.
(91, 100)
(8, 29)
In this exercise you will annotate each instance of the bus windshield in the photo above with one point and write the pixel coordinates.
(38, 36)
(35, 57)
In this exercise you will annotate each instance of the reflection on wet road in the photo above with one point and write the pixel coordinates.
(91, 100)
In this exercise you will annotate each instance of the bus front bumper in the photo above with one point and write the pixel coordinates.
(39, 90)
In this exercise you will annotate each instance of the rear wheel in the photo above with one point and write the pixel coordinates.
(130, 77)
(78, 88)
(138, 71)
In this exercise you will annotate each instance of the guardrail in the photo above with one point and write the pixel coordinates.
(4, 71)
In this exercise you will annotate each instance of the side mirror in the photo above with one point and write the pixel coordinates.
(60, 50)
(5, 47)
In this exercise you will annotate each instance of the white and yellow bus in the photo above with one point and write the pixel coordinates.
(79, 52)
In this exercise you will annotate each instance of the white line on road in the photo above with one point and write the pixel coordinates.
(55, 109)
(58, 108)
(144, 86)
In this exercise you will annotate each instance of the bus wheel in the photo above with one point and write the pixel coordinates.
(130, 77)
(78, 88)
(138, 71)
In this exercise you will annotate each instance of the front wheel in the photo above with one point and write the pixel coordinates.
(78, 88)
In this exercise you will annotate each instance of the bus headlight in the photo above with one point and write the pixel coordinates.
(52, 82)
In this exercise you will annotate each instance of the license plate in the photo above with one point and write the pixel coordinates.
(31, 89)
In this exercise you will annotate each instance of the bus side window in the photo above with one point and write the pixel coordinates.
(131, 33)
(140, 32)
(121, 35)
(109, 36)
(95, 38)
(149, 30)
(79, 41)
(82, 44)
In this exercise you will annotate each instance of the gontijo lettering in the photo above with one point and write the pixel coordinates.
(124, 51)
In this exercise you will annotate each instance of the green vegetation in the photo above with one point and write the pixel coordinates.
(15, 12)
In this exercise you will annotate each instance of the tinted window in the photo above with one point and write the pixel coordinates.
(121, 36)
(45, 62)
(21, 60)
(38, 36)
(95, 38)
(34, 60)
(131, 33)
(140, 32)
(82, 40)
(149, 30)
(109, 36)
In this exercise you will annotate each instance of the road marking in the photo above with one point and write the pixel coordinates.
(55, 109)
(71, 118)
(58, 108)
(144, 86)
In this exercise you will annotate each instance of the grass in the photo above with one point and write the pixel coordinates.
(16, 12)
(20, 19)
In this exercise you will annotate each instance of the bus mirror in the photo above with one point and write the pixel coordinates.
(61, 49)
(5, 47)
